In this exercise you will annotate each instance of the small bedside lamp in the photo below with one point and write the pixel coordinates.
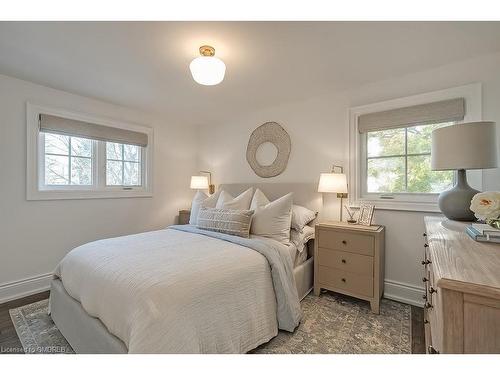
(203, 182)
(334, 183)
(459, 147)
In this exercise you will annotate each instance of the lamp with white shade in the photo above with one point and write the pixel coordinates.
(460, 147)
(334, 183)
(203, 182)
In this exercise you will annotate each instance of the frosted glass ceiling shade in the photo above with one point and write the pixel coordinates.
(199, 182)
(332, 183)
(464, 146)
(207, 69)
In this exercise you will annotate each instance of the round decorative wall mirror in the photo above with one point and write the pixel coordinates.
(268, 150)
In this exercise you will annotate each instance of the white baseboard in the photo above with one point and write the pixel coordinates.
(22, 288)
(403, 292)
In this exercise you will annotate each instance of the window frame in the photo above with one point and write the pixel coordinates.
(407, 201)
(36, 188)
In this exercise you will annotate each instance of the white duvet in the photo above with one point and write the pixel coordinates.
(185, 291)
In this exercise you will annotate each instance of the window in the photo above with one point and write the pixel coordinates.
(123, 164)
(390, 148)
(399, 161)
(67, 160)
(71, 156)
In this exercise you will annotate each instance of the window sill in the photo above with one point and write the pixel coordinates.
(40, 195)
(399, 205)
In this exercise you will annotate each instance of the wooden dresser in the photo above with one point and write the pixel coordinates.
(349, 259)
(462, 283)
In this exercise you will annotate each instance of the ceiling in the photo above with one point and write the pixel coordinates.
(145, 64)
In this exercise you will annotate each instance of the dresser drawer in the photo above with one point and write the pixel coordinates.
(346, 241)
(350, 262)
(346, 281)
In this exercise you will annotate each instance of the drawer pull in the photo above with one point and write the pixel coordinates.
(344, 242)
(425, 234)
(425, 279)
(426, 321)
(424, 297)
(427, 261)
(428, 305)
(431, 350)
(426, 245)
(343, 261)
(343, 280)
(432, 290)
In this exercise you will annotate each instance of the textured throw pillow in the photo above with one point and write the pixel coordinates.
(301, 216)
(241, 202)
(273, 220)
(299, 239)
(233, 222)
(201, 200)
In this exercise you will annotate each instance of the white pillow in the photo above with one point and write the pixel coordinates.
(273, 219)
(259, 199)
(201, 200)
(241, 202)
(301, 216)
(299, 239)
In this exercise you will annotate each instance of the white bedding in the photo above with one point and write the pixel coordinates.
(171, 291)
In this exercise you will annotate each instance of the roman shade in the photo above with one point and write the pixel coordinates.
(442, 111)
(60, 125)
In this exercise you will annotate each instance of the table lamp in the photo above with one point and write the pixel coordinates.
(471, 145)
(203, 182)
(334, 183)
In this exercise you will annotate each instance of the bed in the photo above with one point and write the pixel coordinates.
(195, 292)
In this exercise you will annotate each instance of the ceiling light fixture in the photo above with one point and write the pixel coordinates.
(207, 69)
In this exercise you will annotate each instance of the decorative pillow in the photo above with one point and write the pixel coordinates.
(233, 222)
(259, 199)
(299, 239)
(301, 216)
(201, 200)
(241, 202)
(273, 220)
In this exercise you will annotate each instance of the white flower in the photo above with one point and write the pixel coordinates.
(486, 205)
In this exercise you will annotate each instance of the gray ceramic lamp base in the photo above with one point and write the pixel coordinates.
(455, 203)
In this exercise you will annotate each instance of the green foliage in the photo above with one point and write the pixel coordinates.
(391, 171)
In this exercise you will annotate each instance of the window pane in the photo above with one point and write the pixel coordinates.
(131, 174)
(81, 171)
(131, 153)
(56, 170)
(386, 175)
(386, 142)
(56, 144)
(114, 150)
(422, 180)
(81, 147)
(114, 172)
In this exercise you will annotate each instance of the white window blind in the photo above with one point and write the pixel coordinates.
(59, 125)
(429, 113)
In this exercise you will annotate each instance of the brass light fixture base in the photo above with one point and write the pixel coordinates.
(207, 51)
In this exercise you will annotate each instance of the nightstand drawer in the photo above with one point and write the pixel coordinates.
(346, 281)
(345, 241)
(354, 263)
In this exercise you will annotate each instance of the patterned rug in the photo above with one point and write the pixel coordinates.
(332, 323)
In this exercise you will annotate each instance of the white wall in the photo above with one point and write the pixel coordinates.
(318, 129)
(35, 235)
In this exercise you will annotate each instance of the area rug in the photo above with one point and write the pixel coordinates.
(332, 323)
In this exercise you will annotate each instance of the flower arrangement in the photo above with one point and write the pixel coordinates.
(486, 207)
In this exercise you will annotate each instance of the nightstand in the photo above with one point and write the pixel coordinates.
(349, 259)
(184, 216)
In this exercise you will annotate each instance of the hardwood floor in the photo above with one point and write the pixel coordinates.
(9, 342)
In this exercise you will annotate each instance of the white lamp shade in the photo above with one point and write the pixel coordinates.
(332, 183)
(199, 182)
(207, 70)
(471, 145)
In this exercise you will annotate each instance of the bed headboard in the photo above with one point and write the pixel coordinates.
(304, 194)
